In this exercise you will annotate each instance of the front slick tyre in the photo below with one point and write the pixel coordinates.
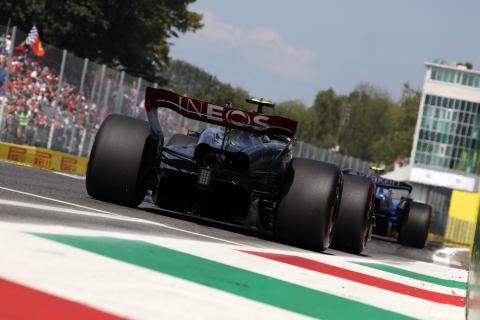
(414, 231)
(308, 204)
(352, 229)
(115, 163)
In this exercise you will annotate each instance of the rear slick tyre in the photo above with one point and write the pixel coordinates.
(308, 204)
(115, 164)
(414, 231)
(354, 220)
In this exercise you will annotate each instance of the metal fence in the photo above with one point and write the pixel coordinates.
(58, 101)
(309, 151)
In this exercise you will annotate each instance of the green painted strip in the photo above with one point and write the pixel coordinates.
(414, 275)
(227, 278)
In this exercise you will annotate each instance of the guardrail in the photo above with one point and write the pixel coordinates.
(459, 232)
(43, 158)
(462, 218)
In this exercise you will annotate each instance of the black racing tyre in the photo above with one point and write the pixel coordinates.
(352, 229)
(182, 140)
(115, 164)
(414, 230)
(308, 204)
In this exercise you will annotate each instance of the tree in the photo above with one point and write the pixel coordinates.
(292, 109)
(369, 121)
(402, 120)
(129, 35)
(324, 117)
(379, 129)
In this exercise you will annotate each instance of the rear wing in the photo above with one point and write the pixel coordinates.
(223, 116)
(381, 181)
(388, 183)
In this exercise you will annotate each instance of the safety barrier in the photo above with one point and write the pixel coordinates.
(43, 158)
(459, 232)
(462, 218)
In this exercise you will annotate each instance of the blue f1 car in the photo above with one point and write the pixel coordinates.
(394, 213)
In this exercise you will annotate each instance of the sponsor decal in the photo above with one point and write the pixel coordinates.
(384, 182)
(17, 154)
(68, 165)
(207, 111)
(241, 119)
(43, 159)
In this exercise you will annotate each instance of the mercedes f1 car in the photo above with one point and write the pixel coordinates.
(395, 214)
(240, 171)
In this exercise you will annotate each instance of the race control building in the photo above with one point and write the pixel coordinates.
(446, 145)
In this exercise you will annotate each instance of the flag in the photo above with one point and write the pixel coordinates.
(33, 40)
(19, 49)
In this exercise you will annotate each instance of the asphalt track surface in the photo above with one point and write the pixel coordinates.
(33, 196)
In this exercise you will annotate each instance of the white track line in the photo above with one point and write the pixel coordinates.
(58, 201)
(74, 176)
(31, 205)
(108, 215)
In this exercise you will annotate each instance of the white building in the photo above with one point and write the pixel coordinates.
(446, 146)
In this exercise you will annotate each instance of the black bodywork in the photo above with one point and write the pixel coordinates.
(224, 174)
(240, 171)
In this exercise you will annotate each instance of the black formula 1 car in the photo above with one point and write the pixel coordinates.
(395, 214)
(240, 171)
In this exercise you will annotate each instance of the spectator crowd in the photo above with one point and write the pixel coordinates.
(31, 104)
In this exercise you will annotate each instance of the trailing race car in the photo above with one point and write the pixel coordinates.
(396, 214)
(240, 172)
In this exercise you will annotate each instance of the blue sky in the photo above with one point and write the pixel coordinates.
(292, 49)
